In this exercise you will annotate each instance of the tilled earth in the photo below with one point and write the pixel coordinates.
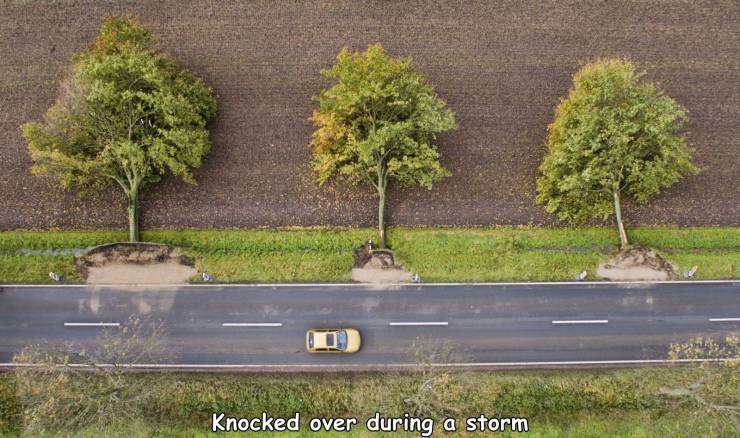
(502, 66)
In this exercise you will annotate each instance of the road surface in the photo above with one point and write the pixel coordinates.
(494, 325)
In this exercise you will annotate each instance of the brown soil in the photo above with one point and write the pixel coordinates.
(362, 255)
(381, 260)
(501, 66)
(378, 266)
(138, 263)
(154, 273)
(380, 276)
(637, 263)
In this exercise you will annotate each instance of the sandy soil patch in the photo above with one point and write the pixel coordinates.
(380, 276)
(154, 273)
(378, 267)
(139, 263)
(637, 263)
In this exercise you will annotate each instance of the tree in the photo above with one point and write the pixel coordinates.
(614, 135)
(713, 383)
(435, 388)
(72, 386)
(378, 123)
(126, 114)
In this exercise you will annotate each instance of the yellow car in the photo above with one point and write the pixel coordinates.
(346, 340)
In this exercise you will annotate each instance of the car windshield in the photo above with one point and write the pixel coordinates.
(341, 340)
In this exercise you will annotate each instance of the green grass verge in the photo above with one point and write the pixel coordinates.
(438, 254)
(618, 403)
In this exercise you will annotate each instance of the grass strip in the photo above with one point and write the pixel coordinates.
(622, 403)
(438, 254)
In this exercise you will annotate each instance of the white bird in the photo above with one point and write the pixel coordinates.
(581, 276)
(55, 277)
(416, 278)
(369, 244)
(691, 272)
(207, 278)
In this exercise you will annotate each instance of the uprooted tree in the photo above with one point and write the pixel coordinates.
(614, 135)
(126, 114)
(73, 386)
(435, 388)
(379, 123)
(711, 386)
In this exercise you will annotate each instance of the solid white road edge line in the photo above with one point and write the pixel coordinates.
(252, 324)
(450, 365)
(375, 286)
(583, 321)
(723, 319)
(92, 324)
(418, 323)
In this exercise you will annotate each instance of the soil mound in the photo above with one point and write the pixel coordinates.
(132, 263)
(638, 263)
(377, 266)
(362, 255)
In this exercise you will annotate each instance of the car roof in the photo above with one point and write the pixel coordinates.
(320, 338)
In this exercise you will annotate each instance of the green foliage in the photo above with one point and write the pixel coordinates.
(614, 134)
(381, 113)
(379, 122)
(126, 114)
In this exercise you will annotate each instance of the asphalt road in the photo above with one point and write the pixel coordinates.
(487, 324)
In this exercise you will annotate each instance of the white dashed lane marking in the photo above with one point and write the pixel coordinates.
(417, 323)
(252, 324)
(92, 324)
(582, 321)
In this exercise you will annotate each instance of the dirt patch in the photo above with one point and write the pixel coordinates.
(380, 276)
(377, 266)
(637, 263)
(155, 273)
(133, 263)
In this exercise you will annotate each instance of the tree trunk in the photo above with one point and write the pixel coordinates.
(381, 217)
(381, 186)
(620, 224)
(133, 215)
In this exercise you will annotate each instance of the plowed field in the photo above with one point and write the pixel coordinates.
(502, 66)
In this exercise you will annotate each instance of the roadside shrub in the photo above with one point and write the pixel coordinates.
(10, 408)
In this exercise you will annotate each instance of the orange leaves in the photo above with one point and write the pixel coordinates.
(328, 130)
